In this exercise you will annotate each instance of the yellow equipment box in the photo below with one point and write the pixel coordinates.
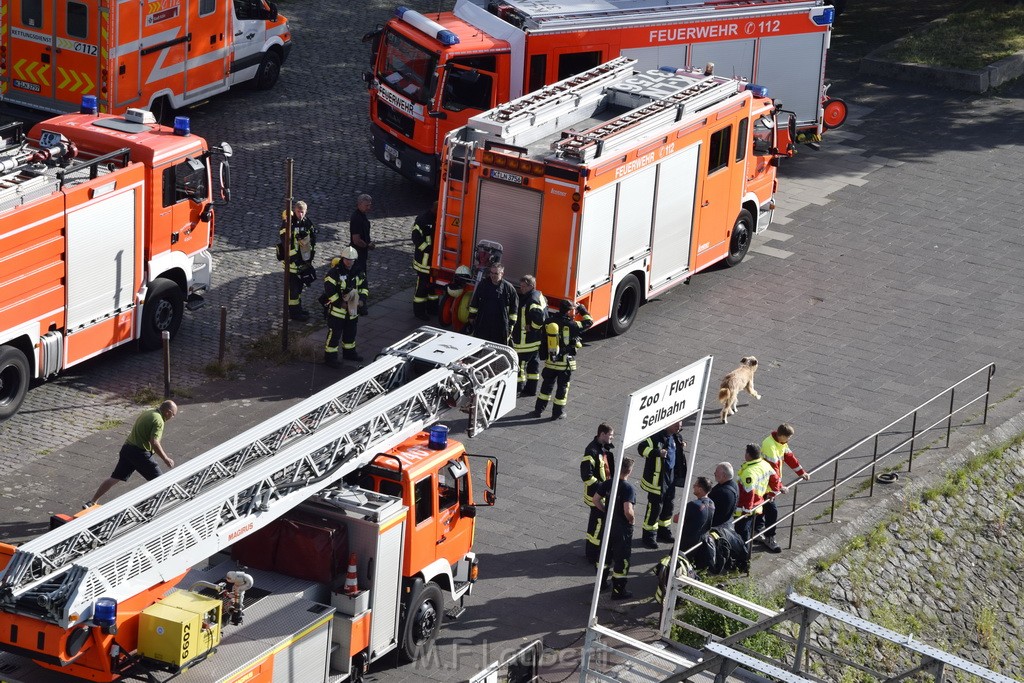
(179, 628)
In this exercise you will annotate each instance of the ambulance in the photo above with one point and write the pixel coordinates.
(433, 72)
(159, 56)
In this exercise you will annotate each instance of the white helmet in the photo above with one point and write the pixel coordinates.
(349, 253)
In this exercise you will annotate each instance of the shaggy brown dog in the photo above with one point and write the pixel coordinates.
(742, 378)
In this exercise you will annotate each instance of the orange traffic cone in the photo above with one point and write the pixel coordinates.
(351, 579)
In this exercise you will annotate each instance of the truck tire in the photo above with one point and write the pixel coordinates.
(625, 305)
(739, 242)
(269, 71)
(422, 622)
(164, 308)
(14, 379)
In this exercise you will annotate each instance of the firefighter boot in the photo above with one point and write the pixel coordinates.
(665, 536)
(432, 306)
(558, 413)
(331, 360)
(351, 354)
(538, 408)
(296, 312)
(529, 388)
(647, 540)
(419, 309)
(619, 591)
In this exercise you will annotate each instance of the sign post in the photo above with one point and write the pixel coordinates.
(650, 409)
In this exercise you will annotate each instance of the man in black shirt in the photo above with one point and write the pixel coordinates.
(724, 495)
(697, 518)
(620, 541)
(494, 308)
(359, 230)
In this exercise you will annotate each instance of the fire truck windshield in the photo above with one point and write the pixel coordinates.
(407, 68)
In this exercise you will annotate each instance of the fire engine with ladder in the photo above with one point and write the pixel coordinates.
(347, 476)
(611, 186)
(432, 72)
(105, 229)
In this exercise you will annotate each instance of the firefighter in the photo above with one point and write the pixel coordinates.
(564, 335)
(424, 298)
(596, 467)
(620, 540)
(757, 481)
(528, 333)
(664, 457)
(344, 292)
(774, 450)
(301, 273)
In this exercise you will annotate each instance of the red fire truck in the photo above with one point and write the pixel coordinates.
(433, 72)
(105, 228)
(611, 186)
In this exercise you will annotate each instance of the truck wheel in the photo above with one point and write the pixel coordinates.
(164, 308)
(625, 306)
(14, 381)
(422, 622)
(739, 243)
(269, 71)
(163, 111)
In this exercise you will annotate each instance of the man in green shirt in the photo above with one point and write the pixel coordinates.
(137, 452)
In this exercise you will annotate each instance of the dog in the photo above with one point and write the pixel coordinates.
(742, 378)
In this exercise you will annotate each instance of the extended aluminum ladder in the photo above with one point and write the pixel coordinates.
(158, 531)
(458, 156)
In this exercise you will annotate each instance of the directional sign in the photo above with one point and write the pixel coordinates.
(668, 400)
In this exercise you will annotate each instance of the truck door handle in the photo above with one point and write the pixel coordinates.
(706, 203)
(441, 540)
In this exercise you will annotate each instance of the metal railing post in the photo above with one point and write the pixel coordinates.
(874, 463)
(835, 478)
(949, 422)
(988, 390)
(792, 518)
(913, 435)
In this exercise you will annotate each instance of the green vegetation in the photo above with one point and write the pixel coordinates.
(219, 370)
(268, 347)
(981, 33)
(146, 396)
(109, 424)
(766, 643)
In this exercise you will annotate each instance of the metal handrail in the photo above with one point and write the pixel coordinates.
(990, 369)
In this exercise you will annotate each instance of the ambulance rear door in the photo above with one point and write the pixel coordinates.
(207, 57)
(29, 43)
(126, 82)
(76, 63)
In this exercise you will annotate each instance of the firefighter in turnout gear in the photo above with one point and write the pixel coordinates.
(596, 467)
(528, 333)
(424, 298)
(664, 457)
(344, 292)
(301, 273)
(563, 335)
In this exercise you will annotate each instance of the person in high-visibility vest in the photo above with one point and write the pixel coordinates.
(528, 332)
(424, 298)
(564, 335)
(596, 467)
(344, 292)
(664, 457)
(300, 257)
(757, 481)
(774, 450)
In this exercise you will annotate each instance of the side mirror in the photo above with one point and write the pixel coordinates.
(225, 182)
(468, 511)
(491, 475)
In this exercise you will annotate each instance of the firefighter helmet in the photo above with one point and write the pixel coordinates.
(349, 253)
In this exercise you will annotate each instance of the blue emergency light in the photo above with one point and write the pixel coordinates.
(428, 26)
(88, 105)
(182, 126)
(756, 90)
(824, 17)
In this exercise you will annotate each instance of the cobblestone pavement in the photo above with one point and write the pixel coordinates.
(893, 271)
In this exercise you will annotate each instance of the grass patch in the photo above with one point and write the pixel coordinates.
(981, 33)
(300, 347)
(219, 370)
(146, 395)
(109, 424)
(766, 642)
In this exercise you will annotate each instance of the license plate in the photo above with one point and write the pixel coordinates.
(390, 152)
